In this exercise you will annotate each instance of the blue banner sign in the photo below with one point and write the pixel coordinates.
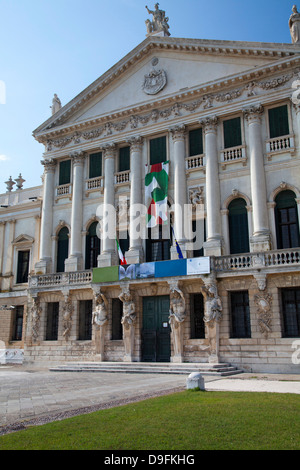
(158, 269)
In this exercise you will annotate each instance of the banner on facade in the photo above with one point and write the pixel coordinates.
(158, 269)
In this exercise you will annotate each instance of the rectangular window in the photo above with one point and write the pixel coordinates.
(290, 307)
(240, 315)
(158, 150)
(197, 315)
(23, 266)
(124, 159)
(64, 172)
(232, 133)
(195, 142)
(199, 228)
(117, 312)
(95, 165)
(18, 323)
(52, 321)
(279, 121)
(85, 319)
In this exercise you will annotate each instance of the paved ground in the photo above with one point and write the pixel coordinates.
(33, 396)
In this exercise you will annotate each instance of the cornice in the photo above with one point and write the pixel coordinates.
(196, 46)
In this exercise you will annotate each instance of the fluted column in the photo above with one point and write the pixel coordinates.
(213, 244)
(260, 241)
(135, 253)
(181, 219)
(108, 254)
(74, 261)
(44, 265)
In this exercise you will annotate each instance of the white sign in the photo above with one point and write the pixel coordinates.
(198, 265)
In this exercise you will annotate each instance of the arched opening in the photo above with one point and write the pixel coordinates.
(62, 249)
(287, 223)
(238, 227)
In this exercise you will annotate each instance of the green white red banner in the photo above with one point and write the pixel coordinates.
(156, 194)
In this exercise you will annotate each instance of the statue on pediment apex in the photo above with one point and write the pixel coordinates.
(294, 24)
(159, 22)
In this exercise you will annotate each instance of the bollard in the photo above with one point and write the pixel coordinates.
(195, 380)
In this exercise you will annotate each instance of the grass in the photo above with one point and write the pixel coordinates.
(182, 421)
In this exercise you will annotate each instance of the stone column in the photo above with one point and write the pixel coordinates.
(176, 320)
(182, 222)
(45, 263)
(135, 254)
(74, 261)
(260, 241)
(2, 233)
(212, 317)
(108, 253)
(213, 244)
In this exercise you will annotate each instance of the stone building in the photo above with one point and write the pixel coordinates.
(225, 116)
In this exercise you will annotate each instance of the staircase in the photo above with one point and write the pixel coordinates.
(220, 370)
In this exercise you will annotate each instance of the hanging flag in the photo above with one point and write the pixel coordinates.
(121, 256)
(179, 252)
(156, 194)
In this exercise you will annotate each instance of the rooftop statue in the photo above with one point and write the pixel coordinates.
(56, 104)
(294, 24)
(159, 22)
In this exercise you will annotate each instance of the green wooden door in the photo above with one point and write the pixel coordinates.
(156, 343)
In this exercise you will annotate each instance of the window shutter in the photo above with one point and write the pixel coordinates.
(195, 142)
(232, 133)
(95, 165)
(62, 249)
(124, 159)
(278, 121)
(65, 172)
(158, 150)
(238, 227)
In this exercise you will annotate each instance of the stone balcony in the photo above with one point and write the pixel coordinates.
(269, 261)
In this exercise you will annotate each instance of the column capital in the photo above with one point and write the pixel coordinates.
(253, 113)
(109, 150)
(178, 132)
(209, 124)
(78, 157)
(49, 165)
(135, 143)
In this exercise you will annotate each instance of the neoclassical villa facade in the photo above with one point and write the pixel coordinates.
(225, 115)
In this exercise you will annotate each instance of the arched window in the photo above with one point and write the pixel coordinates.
(238, 227)
(287, 224)
(92, 247)
(62, 249)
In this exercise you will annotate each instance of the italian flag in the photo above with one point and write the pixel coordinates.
(121, 256)
(156, 194)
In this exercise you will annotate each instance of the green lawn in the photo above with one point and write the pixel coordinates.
(183, 421)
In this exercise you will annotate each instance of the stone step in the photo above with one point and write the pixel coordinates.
(149, 368)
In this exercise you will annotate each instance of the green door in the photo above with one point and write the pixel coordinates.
(156, 343)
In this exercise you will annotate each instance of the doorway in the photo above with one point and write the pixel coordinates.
(156, 342)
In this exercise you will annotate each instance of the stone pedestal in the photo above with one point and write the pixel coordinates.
(107, 259)
(74, 263)
(128, 338)
(134, 256)
(100, 342)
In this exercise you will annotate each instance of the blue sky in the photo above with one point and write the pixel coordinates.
(62, 46)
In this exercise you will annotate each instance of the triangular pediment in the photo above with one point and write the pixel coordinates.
(161, 69)
(23, 239)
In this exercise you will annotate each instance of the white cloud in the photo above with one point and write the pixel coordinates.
(4, 158)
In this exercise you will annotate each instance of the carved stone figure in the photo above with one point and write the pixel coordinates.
(67, 317)
(129, 316)
(176, 318)
(159, 22)
(128, 322)
(56, 104)
(294, 24)
(99, 317)
(213, 306)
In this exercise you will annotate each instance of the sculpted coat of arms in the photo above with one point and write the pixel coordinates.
(154, 82)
